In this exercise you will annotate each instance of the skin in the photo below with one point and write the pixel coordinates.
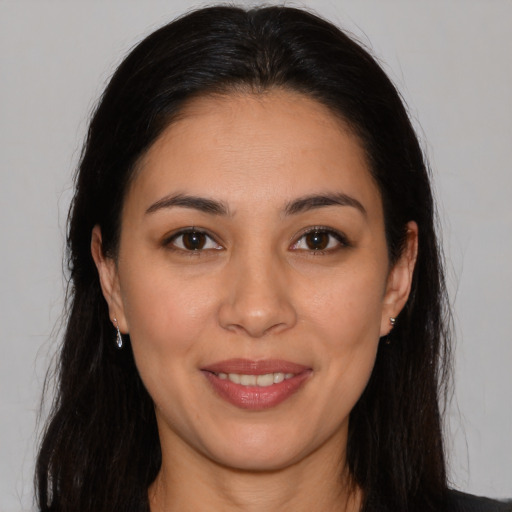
(258, 289)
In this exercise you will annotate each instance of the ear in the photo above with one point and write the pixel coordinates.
(109, 280)
(400, 279)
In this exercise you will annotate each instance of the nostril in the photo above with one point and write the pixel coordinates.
(257, 322)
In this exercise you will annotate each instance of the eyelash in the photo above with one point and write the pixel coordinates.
(341, 239)
(170, 242)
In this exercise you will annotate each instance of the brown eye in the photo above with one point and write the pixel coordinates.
(321, 240)
(194, 241)
(317, 240)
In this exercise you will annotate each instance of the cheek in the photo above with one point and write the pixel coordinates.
(346, 318)
(166, 314)
(167, 318)
(348, 305)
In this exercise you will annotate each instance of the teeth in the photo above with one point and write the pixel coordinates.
(265, 380)
(248, 380)
(256, 380)
(278, 377)
(234, 377)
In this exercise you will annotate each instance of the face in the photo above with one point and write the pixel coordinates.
(253, 279)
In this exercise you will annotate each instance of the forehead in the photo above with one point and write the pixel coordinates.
(256, 147)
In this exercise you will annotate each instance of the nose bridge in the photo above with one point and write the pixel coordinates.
(258, 300)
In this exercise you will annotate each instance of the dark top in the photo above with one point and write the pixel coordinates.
(454, 501)
(467, 503)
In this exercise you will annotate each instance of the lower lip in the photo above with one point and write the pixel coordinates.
(256, 397)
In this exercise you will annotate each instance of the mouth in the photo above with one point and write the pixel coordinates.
(262, 381)
(256, 385)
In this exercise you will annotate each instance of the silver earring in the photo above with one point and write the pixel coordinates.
(392, 321)
(119, 337)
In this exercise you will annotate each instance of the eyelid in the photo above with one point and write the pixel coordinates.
(335, 233)
(168, 240)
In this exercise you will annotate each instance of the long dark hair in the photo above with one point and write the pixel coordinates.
(100, 450)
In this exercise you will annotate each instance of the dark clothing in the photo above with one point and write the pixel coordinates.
(467, 503)
(454, 501)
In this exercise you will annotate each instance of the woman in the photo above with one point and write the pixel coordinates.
(258, 317)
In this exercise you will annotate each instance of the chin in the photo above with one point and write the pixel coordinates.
(270, 448)
(255, 459)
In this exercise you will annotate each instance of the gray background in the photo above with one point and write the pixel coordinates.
(451, 60)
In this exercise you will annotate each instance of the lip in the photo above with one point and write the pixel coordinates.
(256, 397)
(250, 367)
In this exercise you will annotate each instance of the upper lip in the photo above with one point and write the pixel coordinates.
(250, 367)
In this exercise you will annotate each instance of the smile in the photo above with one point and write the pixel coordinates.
(256, 385)
(263, 381)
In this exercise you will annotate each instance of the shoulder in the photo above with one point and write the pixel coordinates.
(461, 502)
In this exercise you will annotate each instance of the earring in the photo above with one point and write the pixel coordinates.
(119, 337)
(392, 321)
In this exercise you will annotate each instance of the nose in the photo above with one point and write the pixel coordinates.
(257, 299)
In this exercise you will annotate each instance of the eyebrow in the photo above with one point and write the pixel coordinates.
(213, 207)
(312, 202)
(185, 201)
